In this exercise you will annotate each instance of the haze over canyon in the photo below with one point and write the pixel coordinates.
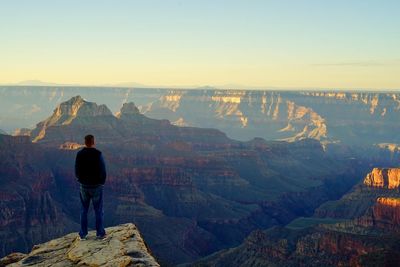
(209, 177)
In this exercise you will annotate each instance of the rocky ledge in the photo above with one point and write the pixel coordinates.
(123, 246)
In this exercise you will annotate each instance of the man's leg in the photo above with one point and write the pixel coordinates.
(98, 210)
(85, 202)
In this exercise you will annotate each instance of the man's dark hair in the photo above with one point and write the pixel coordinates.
(89, 140)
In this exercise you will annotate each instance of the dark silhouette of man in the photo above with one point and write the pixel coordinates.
(90, 171)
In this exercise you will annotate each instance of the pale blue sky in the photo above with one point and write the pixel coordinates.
(298, 43)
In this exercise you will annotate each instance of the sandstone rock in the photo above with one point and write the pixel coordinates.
(67, 112)
(13, 257)
(388, 178)
(71, 146)
(123, 246)
(386, 212)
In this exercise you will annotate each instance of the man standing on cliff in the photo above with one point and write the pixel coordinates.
(90, 171)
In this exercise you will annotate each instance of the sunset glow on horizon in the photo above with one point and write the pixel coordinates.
(261, 43)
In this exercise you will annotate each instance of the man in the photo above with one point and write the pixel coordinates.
(90, 171)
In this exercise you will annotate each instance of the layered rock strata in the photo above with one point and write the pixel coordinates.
(388, 178)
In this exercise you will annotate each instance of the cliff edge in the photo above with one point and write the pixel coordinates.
(123, 246)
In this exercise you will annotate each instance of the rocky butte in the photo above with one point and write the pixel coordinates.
(123, 247)
(384, 178)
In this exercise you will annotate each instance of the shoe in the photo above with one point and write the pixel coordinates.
(81, 238)
(101, 237)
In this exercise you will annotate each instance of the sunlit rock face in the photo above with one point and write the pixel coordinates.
(384, 178)
(75, 110)
(241, 114)
(124, 246)
(386, 212)
(356, 118)
(379, 189)
(22, 131)
(348, 117)
(71, 146)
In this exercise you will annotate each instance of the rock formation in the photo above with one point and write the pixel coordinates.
(371, 239)
(380, 183)
(386, 213)
(128, 109)
(22, 131)
(384, 178)
(242, 114)
(316, 246)
(71, 146)
(76, 109)
(124, 246)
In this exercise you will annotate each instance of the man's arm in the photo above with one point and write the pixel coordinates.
(77, 167)
(103, 173)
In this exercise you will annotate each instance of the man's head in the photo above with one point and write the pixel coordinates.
(89, 140)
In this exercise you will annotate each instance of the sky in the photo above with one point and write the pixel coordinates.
(231, 43)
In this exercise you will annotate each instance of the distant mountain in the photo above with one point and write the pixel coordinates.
(24, 106)
(191, 191)
(75, 109)
(2, 132)
(42, 83)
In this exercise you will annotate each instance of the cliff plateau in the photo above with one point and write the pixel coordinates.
(124, 246)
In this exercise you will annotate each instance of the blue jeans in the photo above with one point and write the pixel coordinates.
(96, 195)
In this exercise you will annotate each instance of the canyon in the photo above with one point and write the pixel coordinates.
(369, 239)
(190, 191)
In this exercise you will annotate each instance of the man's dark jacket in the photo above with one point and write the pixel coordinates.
(89, 167)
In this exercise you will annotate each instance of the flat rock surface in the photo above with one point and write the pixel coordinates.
(123, 246)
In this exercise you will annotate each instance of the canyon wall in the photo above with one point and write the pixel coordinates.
(356, 118)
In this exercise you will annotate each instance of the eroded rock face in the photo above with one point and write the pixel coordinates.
(383, 177)
(242, 114)
(29, 209)
(386, 212)
(69, 111)
(369, 239)
(71, 146)
(316, 246)
(123, 246)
